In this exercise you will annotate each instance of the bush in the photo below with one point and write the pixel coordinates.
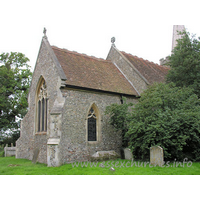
(11, 139)
(120, 118)
(1, 152)
(169, 117)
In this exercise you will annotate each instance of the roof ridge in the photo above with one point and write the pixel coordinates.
(152, 67)
(143, 59)
(153, 72)
(79, 54)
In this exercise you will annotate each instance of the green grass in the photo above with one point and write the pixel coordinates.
(12, 166)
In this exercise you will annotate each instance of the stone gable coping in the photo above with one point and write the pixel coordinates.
(119, 52)
(57, 64)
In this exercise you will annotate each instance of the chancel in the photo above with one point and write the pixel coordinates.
(68, 96)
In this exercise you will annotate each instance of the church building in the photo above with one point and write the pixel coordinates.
(69, 93)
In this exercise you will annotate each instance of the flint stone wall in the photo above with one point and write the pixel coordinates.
(30, 140)
(74, 144)
(71, 130)
(127, 69)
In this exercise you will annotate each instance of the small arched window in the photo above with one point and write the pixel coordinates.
(93, 133)
(92, 125)
(42, 105)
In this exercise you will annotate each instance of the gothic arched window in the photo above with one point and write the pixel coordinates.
(42, 104)
(93, 124)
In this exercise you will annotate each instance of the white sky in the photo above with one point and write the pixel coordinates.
(142, 28)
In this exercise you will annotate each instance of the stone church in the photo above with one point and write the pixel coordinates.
(69, 93)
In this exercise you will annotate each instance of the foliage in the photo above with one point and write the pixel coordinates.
(169, 117)
(10, 139)
(15, 76)
(185, 63)
(1, 152)
(119, 118)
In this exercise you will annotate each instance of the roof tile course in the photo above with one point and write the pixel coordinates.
(93, 73)
(149, 70)
(90, 72)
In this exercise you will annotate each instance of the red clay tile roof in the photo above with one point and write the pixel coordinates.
(150, 71)
(93, 73)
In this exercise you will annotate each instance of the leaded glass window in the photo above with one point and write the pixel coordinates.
(92, 125)
(46, 114)
(42, 109)
(39, 113)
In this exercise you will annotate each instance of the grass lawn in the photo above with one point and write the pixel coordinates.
(13, 166)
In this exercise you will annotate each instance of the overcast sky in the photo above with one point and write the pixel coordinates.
(142, 28)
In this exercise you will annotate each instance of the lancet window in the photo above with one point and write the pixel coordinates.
(42, 105)
(92, 125)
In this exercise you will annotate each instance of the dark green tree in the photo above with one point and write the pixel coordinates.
(169, 117)
(15, 77)
(120, 117)
(185, 63)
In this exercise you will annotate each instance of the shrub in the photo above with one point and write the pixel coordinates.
(1, 152)
(119, 118)
(169, 117)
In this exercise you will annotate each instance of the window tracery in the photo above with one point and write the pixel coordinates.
(42, 106)
(92, 125)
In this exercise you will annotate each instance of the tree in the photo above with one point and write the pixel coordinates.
(185, 63)
(166, 116)
(119, 118)
(15, 77)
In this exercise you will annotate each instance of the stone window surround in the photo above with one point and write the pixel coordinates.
(39, 96)
(98, 124)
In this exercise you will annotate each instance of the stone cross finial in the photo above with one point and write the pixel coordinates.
(113, 41)
(45, 31)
